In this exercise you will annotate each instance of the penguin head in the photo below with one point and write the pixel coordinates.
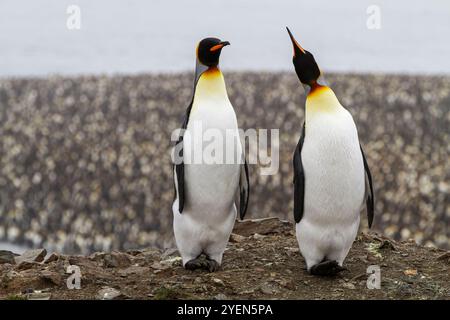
(305, 65)
(208, 51)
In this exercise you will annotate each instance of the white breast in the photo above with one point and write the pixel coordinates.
(334, 171)
(211, 187)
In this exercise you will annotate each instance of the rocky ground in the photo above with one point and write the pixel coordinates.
(262, 262)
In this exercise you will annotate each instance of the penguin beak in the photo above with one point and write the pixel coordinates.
(297, 48)
(219, 46)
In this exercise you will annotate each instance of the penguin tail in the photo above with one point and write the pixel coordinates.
(326, 268)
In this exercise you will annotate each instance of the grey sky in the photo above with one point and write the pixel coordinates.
(160, 35)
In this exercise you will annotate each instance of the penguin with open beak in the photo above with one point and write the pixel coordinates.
(208, 195)
(332, 180)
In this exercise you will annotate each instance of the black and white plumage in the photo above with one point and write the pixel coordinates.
(208, 195)
(332, 179)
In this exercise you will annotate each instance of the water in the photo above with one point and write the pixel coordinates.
(120, 36)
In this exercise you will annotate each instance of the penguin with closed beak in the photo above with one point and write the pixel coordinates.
(208, 194)
(332, 180)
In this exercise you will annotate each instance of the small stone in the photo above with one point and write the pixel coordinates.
(249, 291)
(150, 252)
(25, 265)
(171, 262)
(220, 296)
(107, 293)
(38, 295)
(444, 256)
(9, 275)
(168, 253)
(218, 281)
(258, 236)
(36, 255)
(7, 257)
(198, 280)
(236, 238)
(51, 276)
(349, 285)
(134, 252)
(132, 270)
(410, 272)
(53, 257)
(159, 266)
(288, 284)
(116, 260)
(267, 289)
(292, 250)
(386, 244)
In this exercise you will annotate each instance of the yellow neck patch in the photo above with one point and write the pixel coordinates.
(321, 99)
(211, 83)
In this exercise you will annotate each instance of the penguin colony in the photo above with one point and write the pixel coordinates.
(332, 179)
(89, 171)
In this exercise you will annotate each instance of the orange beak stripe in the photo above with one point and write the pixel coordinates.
(216, 47)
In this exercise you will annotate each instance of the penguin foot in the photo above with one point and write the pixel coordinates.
(213, 265)
(205, 264)
(196, 263)
(326, 268)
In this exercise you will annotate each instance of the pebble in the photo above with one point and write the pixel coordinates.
(218, 281)
(53, 277)
(25, 265)
(132, 270)
(108, 293)
(7, 257)
(236, 238)
(116, 260)
(198, 280)
(38, 295)
(171, 262)
(267, 289)
(221, 296)
(258, 236)
(349, 285)
(53, 257)
(36, 255)
(169, 252)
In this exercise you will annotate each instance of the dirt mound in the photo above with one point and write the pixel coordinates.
(262, 262)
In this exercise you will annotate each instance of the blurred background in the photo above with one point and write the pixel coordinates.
(86, 114)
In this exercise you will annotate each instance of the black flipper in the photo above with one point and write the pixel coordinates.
(244, 189)
(370, 200)
(179, 168)
(299, 179)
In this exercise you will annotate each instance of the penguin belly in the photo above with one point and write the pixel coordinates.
(210, 188)
(334, 188)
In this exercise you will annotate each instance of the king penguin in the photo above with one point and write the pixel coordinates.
(208, 195)
(332, 180)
